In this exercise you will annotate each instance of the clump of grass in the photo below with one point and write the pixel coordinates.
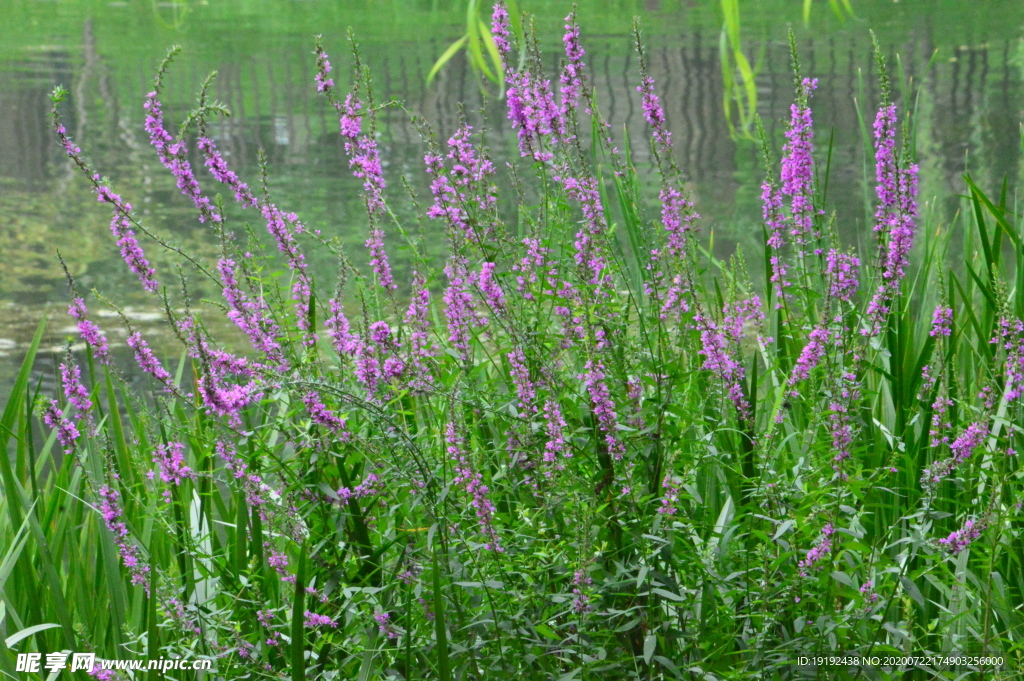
(582, 448)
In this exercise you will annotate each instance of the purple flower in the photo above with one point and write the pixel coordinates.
(384, 625)
(886, 171)
(172, 156)
(581, 601)
(459, 306)
(842, 270)
(345, 342)
(74, 391)
(960, 539)
(811, 355)
(283, 227)
(490, 288)
(365, 489)
(146, 360)
(363, 155)
(534, 114)
(942, 321)
(110, 509)
(466, 196)
(322, 416)
(775, 221)
(720, 347)
(525, 388)
(677, 216)
(219, 169)
(604, 408)
(120, 225)
(654, 114)
(554, 426)
(313, 620)
(368, 368)
(420, 348)
(500, 29)
(972, 437)
(589, 255)
(1011, 338)
(842, 435)
(572, 81)
(252, 317)
(894, 218)
(798, 166)
(868, 591)
(170, 461)
(819, 552)
(379, 259)
(529, 268)
(67, 431)
(671, 496)
(473, 483)
(90, 333)
(323, 70)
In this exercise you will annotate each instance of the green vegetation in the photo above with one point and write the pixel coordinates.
(584, 448)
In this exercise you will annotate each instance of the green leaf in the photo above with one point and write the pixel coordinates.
(650, 642)
(299, 620)
(440, 630)
(14, 639)
(452, 50)
(912, 590)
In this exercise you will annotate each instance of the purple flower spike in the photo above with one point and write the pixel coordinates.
(473, 483)
(120, 223)
(671, 496)
(90, 333)
(323, 71)
(218, 167)
(525, 388)
(604, 408)
(573, 80)
(654, 114)
(322, 416)
(421, 349)
(811, 355)
(363, 155)
(110, 508)
(71, 377)
(146, 360)
(170, 461)
(121, 226)
(798, 167)
(842, 270)
(942, 321)
(960, 539)
(500, 29)
(172, 156)
(460, 307)
(554, 426)
(313, 620)
(895, 217)
(819, 552)
(67, 431)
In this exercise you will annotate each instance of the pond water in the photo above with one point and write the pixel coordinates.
(963, 64)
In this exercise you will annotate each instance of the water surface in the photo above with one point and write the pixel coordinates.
(960, 64)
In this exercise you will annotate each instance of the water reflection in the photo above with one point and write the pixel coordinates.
(968, 102)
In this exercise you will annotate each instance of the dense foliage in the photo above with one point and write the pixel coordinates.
(586, 449)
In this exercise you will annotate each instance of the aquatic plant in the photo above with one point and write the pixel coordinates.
(579, 447)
